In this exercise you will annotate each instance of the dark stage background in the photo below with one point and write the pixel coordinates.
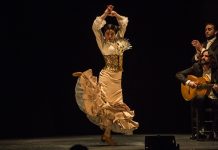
(43, 42)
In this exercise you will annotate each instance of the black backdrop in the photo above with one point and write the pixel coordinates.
(43, 42)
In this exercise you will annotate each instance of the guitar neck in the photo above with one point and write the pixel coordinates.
(205, 86)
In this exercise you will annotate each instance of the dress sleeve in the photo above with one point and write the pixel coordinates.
(96, 27)
(123, 22)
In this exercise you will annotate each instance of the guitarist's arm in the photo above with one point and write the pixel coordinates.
(214, 77)
(182, 76)
(191, 83)
(215, 89)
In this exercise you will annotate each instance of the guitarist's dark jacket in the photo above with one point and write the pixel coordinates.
(197, 71)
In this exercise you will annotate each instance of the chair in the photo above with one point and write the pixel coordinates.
(208, 132)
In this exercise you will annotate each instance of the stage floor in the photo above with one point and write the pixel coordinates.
(134, 142)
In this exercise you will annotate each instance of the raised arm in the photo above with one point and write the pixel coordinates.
(98, 23)
(199, 48)
(122, 21)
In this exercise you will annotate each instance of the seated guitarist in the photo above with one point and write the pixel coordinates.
(207, 68)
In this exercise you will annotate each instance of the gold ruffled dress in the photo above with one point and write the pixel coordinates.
(101, 99)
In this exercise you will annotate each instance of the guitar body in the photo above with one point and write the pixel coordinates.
(189, 93)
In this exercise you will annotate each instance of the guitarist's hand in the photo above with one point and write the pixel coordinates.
(215, 87)
(192, 84)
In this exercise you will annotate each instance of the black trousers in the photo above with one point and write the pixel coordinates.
(199, 105)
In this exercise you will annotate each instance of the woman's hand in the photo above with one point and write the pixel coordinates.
(109, 9)
(113, 14)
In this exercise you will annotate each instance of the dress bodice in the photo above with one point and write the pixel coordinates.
(113, 62)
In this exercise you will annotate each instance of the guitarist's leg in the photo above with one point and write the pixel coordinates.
(195, 118)
(198, 105)
(215, 118)
(193, 121)
(201, 116)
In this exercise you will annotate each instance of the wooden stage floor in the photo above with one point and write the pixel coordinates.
(125, 142)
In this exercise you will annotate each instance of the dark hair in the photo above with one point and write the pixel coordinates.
(213, 58)
(113, 27)
(211, 23)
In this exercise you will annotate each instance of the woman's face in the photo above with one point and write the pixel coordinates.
(109, 35)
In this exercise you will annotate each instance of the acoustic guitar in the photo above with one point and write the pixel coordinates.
(203, 88)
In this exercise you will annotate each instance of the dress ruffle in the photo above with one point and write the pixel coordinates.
(91, 100)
